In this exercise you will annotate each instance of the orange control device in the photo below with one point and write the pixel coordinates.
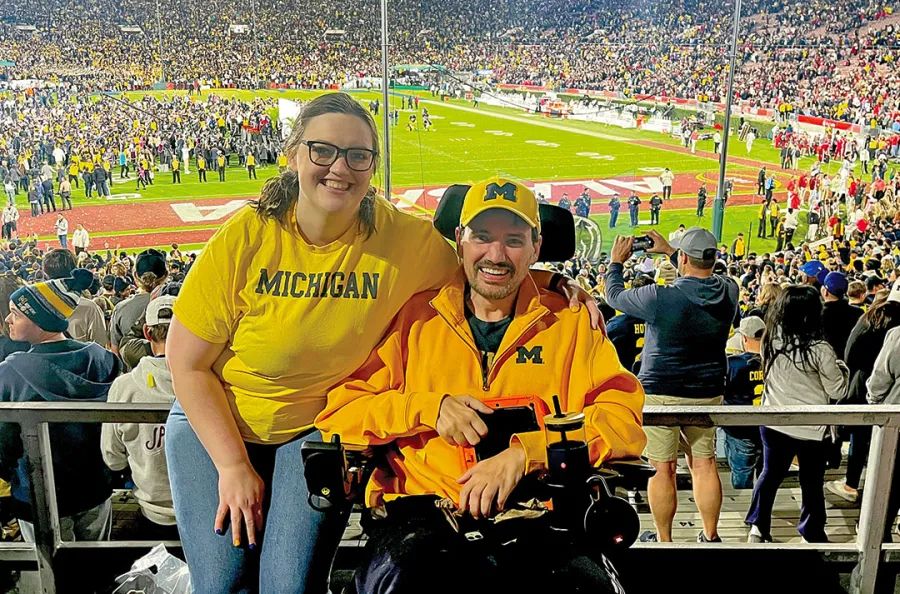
(512, 414)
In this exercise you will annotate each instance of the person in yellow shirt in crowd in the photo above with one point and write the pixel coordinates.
(739, 247)
(773, 217)
(176, 170)
(73, 170)
(251, 166)
(505, 336)
(220, 163)
(287, 299)
(763, 209)
(201, 169)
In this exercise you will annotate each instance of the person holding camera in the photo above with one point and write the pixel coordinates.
(505, 336)
(683, 363)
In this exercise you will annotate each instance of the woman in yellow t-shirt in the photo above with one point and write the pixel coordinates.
(288, 298)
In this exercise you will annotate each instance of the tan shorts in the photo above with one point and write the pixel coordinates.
(663, 442)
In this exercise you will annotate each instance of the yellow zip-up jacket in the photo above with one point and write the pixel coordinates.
(429, 353)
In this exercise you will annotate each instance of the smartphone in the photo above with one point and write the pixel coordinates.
(642, 243)
(502, 425)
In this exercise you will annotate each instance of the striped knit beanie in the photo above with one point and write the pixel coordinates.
(49, 304)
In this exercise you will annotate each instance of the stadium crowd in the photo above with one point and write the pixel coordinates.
(55, 141)
(795, 56)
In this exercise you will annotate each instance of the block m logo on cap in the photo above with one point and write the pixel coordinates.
(507, 191)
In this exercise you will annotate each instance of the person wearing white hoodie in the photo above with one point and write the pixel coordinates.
(142, 446)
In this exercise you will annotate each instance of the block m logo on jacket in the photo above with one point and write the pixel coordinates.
(524, 355)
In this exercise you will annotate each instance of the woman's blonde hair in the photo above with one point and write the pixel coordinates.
(279, 194)
(768, 294)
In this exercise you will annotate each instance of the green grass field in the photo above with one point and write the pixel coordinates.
(471, 144)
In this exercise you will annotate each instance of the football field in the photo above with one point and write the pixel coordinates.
(466, 144)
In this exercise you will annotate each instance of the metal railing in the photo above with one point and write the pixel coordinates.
(868, 552)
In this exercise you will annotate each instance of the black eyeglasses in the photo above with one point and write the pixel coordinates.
(325, 154)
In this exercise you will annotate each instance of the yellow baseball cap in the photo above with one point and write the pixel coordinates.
(501, 193)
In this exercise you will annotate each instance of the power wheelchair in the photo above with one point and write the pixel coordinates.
(581, 505)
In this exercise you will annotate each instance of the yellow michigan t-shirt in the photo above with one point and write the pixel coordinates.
(298, 318)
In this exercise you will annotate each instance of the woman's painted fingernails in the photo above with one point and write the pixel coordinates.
(237, 543)
(219, 531)
(252, 545)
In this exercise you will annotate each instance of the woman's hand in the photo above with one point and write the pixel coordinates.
(241, 493)
(571, 290)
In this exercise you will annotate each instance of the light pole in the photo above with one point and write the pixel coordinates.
(719, 204)
(385, 95)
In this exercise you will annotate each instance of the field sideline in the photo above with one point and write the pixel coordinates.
(467, 144)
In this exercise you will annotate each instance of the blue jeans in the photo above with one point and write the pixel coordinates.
(634, 216)
(613, 217)
(298, 543)
(744, 457)
(62, 241)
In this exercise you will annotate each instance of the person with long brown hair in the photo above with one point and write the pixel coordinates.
(800, 368)
(288, 297)
(865, 342)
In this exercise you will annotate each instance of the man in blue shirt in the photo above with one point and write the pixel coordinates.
(634, 206)
(627, 332)
(683, 363)
(614, 206)
(743, 386)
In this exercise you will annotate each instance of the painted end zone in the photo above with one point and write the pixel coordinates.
(140, 224)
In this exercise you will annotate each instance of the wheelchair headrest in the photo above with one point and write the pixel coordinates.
(557, 224)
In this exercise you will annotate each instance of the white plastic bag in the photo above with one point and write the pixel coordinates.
(157, 572)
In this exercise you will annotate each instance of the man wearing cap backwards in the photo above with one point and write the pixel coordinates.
(505, 337)
(142, 445)
(743, 387)
(151, 272)
(57, 369)
(683, 363)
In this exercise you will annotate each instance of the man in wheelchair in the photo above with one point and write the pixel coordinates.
(432, 393)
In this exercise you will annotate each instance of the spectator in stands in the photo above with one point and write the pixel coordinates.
(141, 446)
(398, 397)
(627, 332)
(800, 368)
(134, 346)
(683, 362)
(863, 347)
(883, 387)
(151, 271)
(838, 317)
(86, 323)
(856, 294)
(57, 369)
(743, 387)
(9, 284)
(323, 206)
